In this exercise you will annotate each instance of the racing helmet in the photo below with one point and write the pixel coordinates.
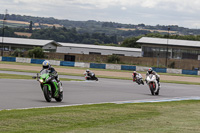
(87, 70)
(46, 64)
(134, 73)
(150, 70)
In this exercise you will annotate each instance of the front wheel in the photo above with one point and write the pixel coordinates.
(47, 93)
(152, 89)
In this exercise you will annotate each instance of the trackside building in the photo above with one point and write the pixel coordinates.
(177, 49)
(10, 44)
(98, 50)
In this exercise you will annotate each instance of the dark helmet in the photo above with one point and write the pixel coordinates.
(150, 70)
(46, 64)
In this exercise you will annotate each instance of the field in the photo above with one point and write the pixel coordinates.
(12, 23)
(161, 31)
(168, 117)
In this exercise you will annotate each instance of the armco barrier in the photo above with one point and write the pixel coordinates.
(160, 70)
(123, 67)
(190, 72)
(176, 71)
(82, 64)
(94, 65)
(67, 63)
(54, 62)
(11, 59)
(37, 61)
(141, 69)
(100, 66)
(113, 66)
(23, 60)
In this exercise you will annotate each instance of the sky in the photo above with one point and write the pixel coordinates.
(184, 13)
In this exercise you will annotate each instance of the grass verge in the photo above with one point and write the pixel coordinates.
(167, 117)
(127, 71)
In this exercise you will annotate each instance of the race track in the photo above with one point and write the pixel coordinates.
(17, 94)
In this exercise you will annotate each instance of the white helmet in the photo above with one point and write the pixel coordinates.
(46, 64)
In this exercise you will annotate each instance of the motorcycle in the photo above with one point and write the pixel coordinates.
(49, 86)
(90, 76)
(153, 84)
(138, 79)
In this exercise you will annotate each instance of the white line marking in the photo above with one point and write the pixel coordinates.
(119, 102)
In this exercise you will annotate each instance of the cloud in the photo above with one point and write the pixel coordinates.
(152, 12)
(123, 8)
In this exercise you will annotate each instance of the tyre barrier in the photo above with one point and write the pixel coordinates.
(100, 66)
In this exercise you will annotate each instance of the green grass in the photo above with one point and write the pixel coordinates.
(127, 71)
(15, 76)
(167, 117)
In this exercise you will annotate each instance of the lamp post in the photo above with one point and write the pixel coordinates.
(3, 32)
(167, 48)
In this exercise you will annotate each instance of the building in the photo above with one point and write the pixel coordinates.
(171, 48)
(98, 50)
(10, 44)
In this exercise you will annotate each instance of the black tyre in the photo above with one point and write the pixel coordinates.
(60, 98)
(142, 82)
(96, 79)
(47, 93)
(157, 93)
(152, 89)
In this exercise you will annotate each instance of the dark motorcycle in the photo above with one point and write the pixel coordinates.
(91, 76)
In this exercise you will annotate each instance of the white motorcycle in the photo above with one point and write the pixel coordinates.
(153, 84)
(138, 79)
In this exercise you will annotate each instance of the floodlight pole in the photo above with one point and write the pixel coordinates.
(3, 28)
(167, 48)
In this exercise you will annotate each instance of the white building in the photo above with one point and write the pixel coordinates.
(98, 49)
(10, 44)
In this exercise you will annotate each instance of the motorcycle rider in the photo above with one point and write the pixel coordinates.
(46, 65)
(136, 76)
(150, 71)
(87, 73)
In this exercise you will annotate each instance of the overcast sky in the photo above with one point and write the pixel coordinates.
(185, 13)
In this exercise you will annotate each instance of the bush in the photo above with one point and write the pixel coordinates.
(37, 52)
(18, 53)
(113, 59)
(172, 65)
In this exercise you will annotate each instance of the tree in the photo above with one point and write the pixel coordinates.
(113, 59)
(31, 27)
(37, 52)
(131, 42)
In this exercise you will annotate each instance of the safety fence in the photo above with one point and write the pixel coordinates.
(100, 66)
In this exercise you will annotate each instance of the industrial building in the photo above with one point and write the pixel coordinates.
(10, 44)
(170, 48)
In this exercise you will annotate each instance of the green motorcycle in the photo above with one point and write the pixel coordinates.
(49, 86)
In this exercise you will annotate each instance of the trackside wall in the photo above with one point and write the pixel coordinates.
(100, 66)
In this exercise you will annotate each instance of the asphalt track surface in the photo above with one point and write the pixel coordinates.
(24, 94)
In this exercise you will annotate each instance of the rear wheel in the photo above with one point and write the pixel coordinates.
(60, 98)
(47, 93)
(157, 92)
